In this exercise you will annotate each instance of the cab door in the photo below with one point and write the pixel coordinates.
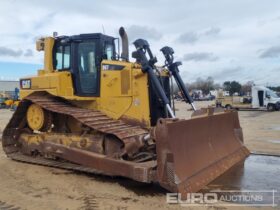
(87, 68)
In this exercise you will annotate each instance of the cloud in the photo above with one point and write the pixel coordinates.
(271, 52)
(200, 56)
(44, 20)
(229, 73)
(28, 53)
(193, 26)
(238, 73)
(192, 37)
(135, 32)
(5, 51)
(189, 37)
(212, 31)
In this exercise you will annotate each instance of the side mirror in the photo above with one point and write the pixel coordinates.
(268, 96)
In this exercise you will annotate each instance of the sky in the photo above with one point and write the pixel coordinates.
(225, 39)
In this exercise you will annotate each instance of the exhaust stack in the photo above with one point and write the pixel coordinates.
(123, 35)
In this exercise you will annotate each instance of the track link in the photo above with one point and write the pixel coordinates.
(93, 119)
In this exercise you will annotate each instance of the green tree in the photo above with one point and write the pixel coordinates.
(226, 85)
(232, 87)
(235, 87)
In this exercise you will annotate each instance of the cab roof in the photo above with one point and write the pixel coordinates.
(85, 36)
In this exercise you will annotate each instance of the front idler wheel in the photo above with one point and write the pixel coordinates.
(38, 119)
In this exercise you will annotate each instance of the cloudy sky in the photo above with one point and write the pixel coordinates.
(228, 40)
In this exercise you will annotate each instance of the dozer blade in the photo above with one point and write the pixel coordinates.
(192, 153)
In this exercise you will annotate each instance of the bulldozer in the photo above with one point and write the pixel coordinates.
(93, 110)
(5, 101)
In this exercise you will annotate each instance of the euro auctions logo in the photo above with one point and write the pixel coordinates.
(226, 198)
(192, 198)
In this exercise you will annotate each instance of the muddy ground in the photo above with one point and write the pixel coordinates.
(26, 186)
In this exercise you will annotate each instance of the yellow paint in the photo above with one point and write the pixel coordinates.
(48, 56)
(35, 117)
(9, 102)
(233, 101)
(123, 93)
(56, 83)
(31, 139)
(64, 139)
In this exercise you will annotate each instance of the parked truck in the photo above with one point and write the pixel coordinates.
(261, 98)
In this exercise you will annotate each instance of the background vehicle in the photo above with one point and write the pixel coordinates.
(92, 110)
(5, 101)
(8, 103)
(261, 98)
(2, 103)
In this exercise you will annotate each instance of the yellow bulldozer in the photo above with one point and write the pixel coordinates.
(91, 109)
(5, 101)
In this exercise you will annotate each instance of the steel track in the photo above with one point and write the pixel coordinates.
(95, 120)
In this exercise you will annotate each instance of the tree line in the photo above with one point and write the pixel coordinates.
(208, 84)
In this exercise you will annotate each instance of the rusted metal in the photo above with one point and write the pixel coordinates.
(131, 138)
(93, 143)
(207, 112)
(95, 120)
(52, 163)
(138, 171)
(192, 153)
(189, 153)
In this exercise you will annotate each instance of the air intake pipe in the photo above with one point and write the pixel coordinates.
(123, 35)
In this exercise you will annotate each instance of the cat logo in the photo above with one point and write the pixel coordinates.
(25, 84)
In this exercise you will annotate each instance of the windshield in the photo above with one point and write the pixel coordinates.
(271, 94)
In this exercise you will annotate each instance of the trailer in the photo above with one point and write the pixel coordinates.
(261, 98)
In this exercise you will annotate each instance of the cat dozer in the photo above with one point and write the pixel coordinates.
(92, 110)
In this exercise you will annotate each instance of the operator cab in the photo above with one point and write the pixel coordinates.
(82, 56)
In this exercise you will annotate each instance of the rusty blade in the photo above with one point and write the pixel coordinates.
(142, 172)
(192, 153)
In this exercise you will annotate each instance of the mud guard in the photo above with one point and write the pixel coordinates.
(192, 153)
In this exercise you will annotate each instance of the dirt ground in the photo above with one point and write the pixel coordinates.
(25, 186)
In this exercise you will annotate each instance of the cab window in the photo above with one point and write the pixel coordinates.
(109, 51)
(62, 58)
(88, 70)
